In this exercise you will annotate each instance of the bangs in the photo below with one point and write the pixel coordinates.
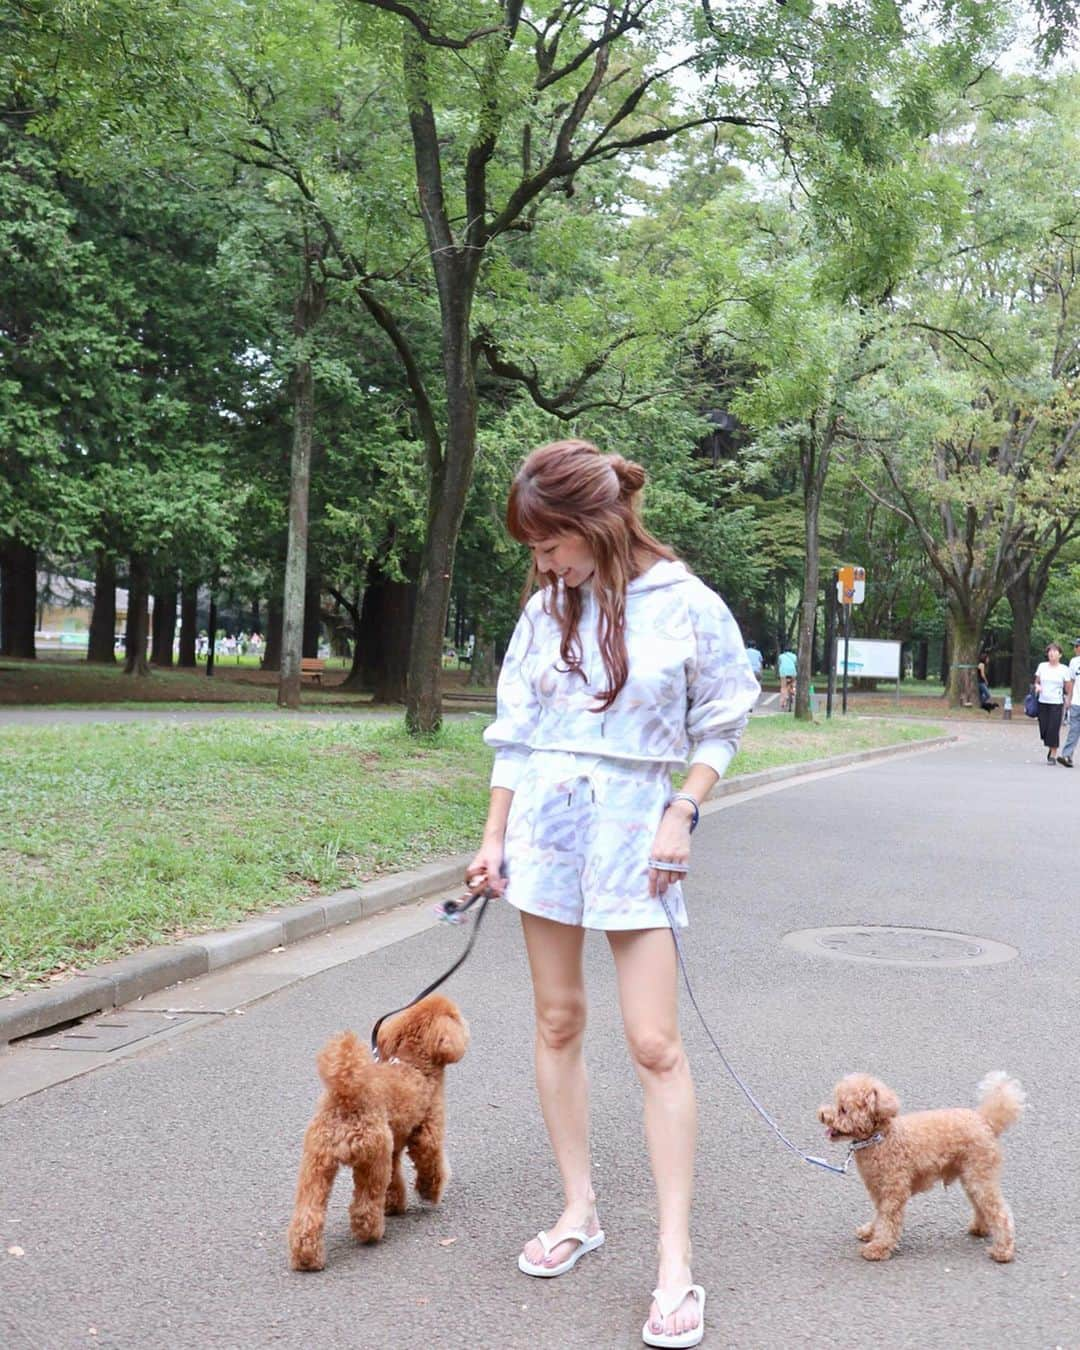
(529, 519)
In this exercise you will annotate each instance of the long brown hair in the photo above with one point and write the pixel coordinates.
(569, 487)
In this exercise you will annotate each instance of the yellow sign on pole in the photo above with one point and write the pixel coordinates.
(851, 584)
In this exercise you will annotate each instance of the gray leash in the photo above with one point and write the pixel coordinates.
(853, 1147)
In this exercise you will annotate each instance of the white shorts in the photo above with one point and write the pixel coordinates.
(579, 838)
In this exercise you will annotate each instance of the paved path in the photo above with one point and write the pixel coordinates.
(150, 1197)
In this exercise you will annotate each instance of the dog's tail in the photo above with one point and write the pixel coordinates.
(344, 1063)
(1001, 1100)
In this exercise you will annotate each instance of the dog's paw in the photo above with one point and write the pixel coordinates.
(1002, 1254)
(978, 1228)
(307, 1256)
(876, 1251)
(431, 1188)
(865, 1231)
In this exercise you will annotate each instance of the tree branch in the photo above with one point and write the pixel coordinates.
(424, 29)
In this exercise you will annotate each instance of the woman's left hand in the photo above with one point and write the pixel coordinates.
(671, 845)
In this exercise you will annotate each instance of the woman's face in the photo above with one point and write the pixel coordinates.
(566, 555)
(1053, 655)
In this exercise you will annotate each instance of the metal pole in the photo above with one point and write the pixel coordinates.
(847, 639)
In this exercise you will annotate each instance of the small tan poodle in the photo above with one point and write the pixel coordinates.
(906, 1154)
(370, 1113)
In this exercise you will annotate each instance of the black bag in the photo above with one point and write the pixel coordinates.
(1031, 703)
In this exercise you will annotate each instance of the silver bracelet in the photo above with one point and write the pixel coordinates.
(686, 797)
(667, 866)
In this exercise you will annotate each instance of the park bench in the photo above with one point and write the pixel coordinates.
(312, 668)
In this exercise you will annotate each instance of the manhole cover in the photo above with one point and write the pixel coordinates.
(900, 946)
(115, 1031)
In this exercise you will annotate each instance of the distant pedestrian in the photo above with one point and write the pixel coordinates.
(1065, 759)
(986, 699)
(1053, 686)
(787, 666)
(755, 659)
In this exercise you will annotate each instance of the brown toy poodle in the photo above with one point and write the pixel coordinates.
(368, 1114)
(907, 1154)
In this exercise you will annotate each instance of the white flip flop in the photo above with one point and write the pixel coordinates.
(667, 1303)
(585, 1244)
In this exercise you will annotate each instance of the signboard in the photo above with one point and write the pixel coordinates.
(869, 658)
(851, 585)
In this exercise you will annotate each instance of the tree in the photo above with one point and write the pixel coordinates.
(984, 466)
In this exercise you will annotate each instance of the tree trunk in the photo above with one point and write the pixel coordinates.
(101, 647)
(312, 609)
(189, 622)
(18, 599)
(292, 633)
(482, 666)
(164, 622)
(384, 635)
(921, 659)
(1025, 595)
(447, 491)
(308, 309)
(964, 633)
(1023, 612)
(135, 662)
(274, 622)
(354, 681)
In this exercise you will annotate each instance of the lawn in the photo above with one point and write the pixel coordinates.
(114, 837)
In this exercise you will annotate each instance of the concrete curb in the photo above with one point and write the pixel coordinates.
(730, 786)
(119, 982)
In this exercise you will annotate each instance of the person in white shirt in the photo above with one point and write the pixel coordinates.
(622, 667)
(1053, 686)
(1065, 759)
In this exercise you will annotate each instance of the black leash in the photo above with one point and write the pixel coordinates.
(452, 910)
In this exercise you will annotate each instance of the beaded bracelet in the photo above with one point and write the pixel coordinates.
(686, 797)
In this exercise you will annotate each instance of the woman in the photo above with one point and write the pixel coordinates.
(622, 667)
(986, 699)
(1052, 684)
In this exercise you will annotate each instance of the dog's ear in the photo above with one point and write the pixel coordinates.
(883, 1102)
(448, 1038)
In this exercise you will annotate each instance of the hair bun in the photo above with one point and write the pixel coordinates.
(631, 476)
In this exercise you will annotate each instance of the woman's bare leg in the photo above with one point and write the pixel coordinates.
(554, 951)
(648, 995)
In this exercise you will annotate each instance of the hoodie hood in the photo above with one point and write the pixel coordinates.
(659, 575)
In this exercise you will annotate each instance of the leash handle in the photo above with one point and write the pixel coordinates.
(806, 1157)
(459, 907)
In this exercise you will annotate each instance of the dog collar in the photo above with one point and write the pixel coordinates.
(854, 1146)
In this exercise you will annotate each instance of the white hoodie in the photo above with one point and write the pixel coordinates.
(689, 692)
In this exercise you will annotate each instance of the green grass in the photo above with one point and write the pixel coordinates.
(773, 741)
(113, 837)
(118, 836)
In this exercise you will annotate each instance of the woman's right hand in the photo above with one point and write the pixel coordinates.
(485, 870)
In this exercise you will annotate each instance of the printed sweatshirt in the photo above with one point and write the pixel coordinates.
(687, 699)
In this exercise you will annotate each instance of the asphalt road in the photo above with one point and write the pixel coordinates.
(150, 1198)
